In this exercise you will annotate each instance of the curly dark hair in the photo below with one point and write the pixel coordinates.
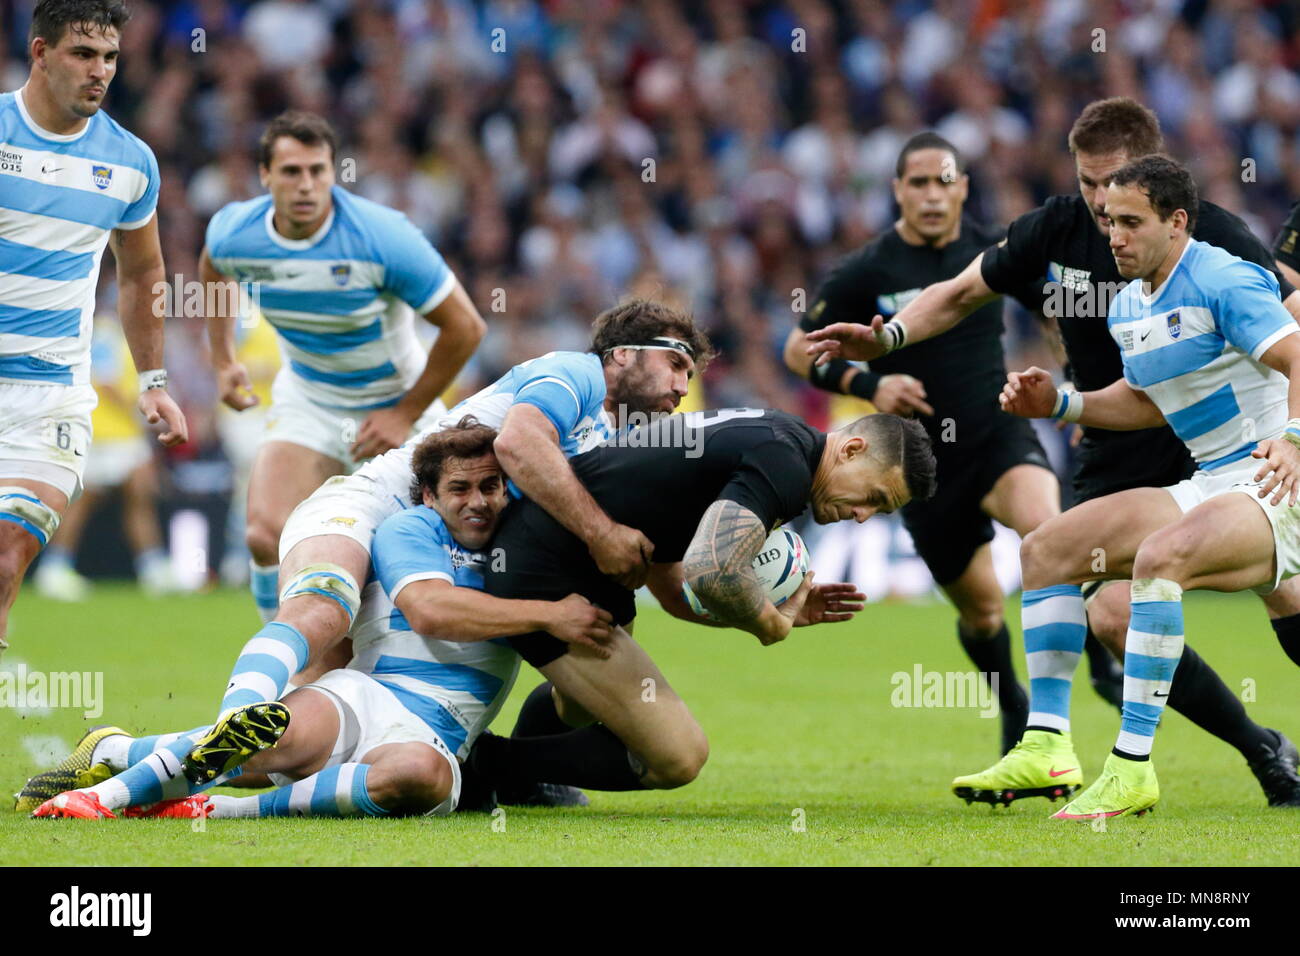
(1167, 185)
(640, 322)
(53, 18)
(468, 438)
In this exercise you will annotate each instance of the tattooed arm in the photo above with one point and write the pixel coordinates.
(718, 566)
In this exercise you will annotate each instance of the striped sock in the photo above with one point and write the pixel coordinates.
(268, 660)
(1151, 653)
(157, 777)
(141, 747)
(1055, 627)
(265, 585)
(334, 792)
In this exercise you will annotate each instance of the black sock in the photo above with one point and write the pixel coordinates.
(1200, 695)
(591, 758)
(1101, 663)
(538, 717)
(991, 654)
(1287, 630)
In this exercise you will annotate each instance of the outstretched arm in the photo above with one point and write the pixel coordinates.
(1117, 407)
(936, 310)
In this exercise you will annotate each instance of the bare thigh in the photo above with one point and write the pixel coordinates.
(630, 695)
(308, 741)
(1023, 498)
(283, 475)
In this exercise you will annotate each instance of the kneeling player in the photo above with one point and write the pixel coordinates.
(707, 488)
(383, 736)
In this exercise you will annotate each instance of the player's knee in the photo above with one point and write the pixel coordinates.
(1040, 557)
(263, 541)
(1165, 555)
(331, 588)
(415, 784)
(683, 764)
(1108, 620)
(26, 523)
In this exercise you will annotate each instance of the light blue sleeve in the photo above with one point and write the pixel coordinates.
(564, 388)
(412, 544)
(1250, 314)
(218, 231)
(414, 271)
(139, 212)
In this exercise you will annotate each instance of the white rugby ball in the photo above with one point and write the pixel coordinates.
(781, 565)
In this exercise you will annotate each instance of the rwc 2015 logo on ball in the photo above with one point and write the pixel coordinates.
(1175, 326)
(102, 176)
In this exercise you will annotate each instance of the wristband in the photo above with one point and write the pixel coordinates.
(1292, 432)
(829, 376)
(864, 384)
(1069, 405)
(893, 336)
(154, 378)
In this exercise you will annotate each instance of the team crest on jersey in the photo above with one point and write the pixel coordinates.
(1175, 325)
(102, 176)
(341, 273)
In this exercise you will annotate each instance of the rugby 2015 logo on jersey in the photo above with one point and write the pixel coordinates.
(102, 176)
(1174, 325)
(895, 302)
(341, 273)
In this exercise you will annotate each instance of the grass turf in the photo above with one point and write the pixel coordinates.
(803, 733)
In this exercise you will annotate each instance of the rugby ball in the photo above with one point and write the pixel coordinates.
(781, 565)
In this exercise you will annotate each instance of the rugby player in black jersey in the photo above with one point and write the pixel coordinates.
(1056, 259)
(991, 466)
(706, 488)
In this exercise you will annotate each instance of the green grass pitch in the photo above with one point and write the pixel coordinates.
(810, 762)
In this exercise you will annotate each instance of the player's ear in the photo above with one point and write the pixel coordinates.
(855, 446)
(427, 494)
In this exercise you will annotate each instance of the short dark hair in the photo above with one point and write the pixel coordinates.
(928, 140)
(307, 128)
(468, 438)
(903, 442)
(1116, 125)
(53, 18)
(640, 322)
(1167, 184)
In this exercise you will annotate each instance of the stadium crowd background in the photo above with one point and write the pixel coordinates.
(720, 155)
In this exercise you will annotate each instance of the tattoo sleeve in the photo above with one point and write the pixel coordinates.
(718, 565)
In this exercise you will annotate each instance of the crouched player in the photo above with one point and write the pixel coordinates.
(382, 736)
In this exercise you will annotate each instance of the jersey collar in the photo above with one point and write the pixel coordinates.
(298, 244)
(1155, 293)
(41, 131)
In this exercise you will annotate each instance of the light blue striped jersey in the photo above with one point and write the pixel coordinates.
(1194, 348)
(567, 387)
(60, 196)
(456, 688)
(342, 299)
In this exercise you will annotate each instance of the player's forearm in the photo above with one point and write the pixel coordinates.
(465, 615)
(718, 566)
(1119, 407)
(665, 583)
(533, 461)
(220, 322)
(143, 329)
(942, 305)
(836, 376)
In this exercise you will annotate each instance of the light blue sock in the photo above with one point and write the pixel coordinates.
(157, 777)
(265, 585)
(334, 792)
(55, 554)
(271, 656)
(1151, 652)
(1055, 628)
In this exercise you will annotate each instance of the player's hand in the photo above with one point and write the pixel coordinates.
(1282, 459)
(1076, 435)
(901, 395)
(788, 613)
(577, 621)
(624, 554)
(157, 406)
(235, 388)
(1029, 394)
(384, 428)
(847, 340)
(829, 603)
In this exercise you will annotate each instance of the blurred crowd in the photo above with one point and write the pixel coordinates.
(718, 154)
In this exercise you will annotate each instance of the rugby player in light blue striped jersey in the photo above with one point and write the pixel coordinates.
(71, 181)
(340, 278)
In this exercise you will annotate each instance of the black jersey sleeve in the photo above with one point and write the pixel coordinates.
(1018, 265)
(846, 295)
(773, 480)
(1284, 246)
(1229, 232)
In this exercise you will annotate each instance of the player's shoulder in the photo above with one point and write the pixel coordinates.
(1058, 213)
(419, 518)
(379, 226)
(1214, 269)
(113, 143)
(234, 218)
(577, 365)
